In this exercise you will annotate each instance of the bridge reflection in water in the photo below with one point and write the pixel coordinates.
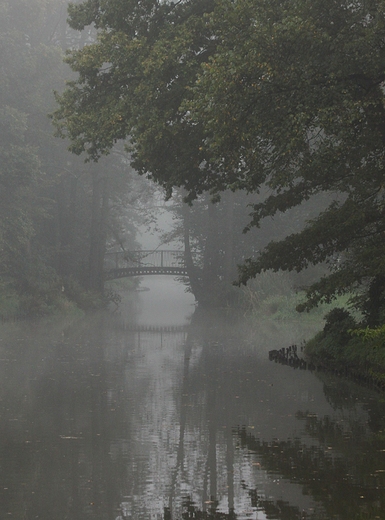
(175, 334)
(144, 262)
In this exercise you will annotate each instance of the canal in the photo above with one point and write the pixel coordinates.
(161, 411)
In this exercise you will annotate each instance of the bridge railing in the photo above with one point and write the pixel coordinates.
(144, 258)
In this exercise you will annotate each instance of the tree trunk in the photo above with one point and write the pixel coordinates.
(229, 274)
(195, 283)
(211, 254)
(98, 235)
(66, 208)
(374, 304)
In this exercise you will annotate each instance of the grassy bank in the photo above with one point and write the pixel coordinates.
(273, 295)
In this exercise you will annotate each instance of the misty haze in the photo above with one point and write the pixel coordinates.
(192, 276)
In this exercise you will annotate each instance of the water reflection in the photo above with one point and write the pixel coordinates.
(119, 417)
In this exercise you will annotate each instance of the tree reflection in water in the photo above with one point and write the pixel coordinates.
(191, 512)
(99, 417)
(343, 472)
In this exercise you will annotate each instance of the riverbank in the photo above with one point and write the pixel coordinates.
(351, 350)
(334, 339)
(134, 397)
(66, 299)
(340, 344)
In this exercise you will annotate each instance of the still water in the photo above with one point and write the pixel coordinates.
(160, 412)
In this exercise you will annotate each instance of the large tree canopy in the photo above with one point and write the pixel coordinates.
(247, 94)
(131, 83)
(294, 98)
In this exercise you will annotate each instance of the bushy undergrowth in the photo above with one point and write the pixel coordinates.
(345, 344)
(273, 295)
(9, 299)
(45, 294)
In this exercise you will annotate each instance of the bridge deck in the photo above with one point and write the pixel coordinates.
(113, 274)
(143, 263)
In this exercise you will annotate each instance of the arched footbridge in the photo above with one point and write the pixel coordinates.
(141, 263)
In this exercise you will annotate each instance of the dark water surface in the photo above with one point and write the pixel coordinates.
(142, 415)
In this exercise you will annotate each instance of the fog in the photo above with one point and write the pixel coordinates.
(133, 413)
(135, 380)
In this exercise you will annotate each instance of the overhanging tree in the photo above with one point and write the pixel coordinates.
(247, 95)
(294, 99)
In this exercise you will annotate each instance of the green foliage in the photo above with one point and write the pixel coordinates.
(330, 346)
(154, 51)
(292, 98)
(344, 345)
(373, 343)
(339, 323)
(57, 216)
(368, 334)
(84, 299)
(252, 95)
(279, 295)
